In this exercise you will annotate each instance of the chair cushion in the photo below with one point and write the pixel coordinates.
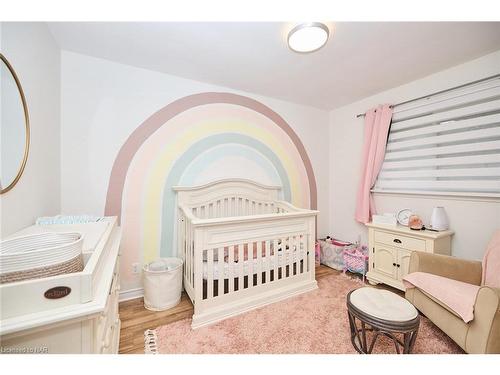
(383, 304)
(491, 262)
(457, 296)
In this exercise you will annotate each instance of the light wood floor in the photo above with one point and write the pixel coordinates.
(136, 319)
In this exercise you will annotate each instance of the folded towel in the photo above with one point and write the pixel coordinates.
(67, 219)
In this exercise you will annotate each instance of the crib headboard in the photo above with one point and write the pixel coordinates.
(195, 196)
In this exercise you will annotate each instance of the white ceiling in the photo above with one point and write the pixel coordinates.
(359, 60)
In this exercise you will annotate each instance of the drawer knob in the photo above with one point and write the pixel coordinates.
(397, 240)
(394, 264)
(399, 265)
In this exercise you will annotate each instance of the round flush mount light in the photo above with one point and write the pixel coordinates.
(308, 37)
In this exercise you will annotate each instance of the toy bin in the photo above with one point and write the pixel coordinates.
(162, 284)
(331, 253)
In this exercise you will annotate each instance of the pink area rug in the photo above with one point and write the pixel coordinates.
(314, 322)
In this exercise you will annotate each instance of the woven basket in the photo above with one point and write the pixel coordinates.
(40, 255)
(72, 265)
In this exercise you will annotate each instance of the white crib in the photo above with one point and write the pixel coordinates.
(242, 247)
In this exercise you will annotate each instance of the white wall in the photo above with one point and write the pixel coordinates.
(473, 221)
(35, 56)
(103, 102)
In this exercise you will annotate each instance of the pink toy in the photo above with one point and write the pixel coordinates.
(317, 253)
(356, 260)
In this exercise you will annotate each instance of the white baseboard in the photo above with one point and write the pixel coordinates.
(126, 295)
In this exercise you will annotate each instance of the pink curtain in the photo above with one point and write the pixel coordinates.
(377, 123)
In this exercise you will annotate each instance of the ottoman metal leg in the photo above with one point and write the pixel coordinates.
(403, 334)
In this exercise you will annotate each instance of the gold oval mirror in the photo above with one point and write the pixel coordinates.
(14, 127)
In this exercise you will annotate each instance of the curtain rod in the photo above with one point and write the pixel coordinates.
(438, 92)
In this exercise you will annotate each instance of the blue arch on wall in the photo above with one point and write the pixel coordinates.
(173, 178)
(190, 177)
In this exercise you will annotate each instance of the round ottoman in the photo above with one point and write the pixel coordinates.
(383, 313)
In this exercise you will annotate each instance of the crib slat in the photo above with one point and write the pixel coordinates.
(210, 278)
(250, 263)
(283, 257)
(267, 264)
(294, 254)
(303, 249)
(180, 238)
(186, 235)
(309, 244)
(220, 258)
(240, 263)
(299, 253)
(281, 246)
(231, 269)
(258, 266)
(187, 249)
(276, 259)
(286, 256)
(191, 253)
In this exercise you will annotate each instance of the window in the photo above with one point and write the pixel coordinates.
(447, 143)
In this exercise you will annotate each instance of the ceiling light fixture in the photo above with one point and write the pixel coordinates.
(308, 37)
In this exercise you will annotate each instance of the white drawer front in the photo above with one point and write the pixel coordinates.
(400, 241)
(108, 317)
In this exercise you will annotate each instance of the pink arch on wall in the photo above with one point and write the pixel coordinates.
(159, 118)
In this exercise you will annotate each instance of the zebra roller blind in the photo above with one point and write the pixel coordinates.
(447, 143)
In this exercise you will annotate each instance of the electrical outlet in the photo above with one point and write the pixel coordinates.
(136, 267)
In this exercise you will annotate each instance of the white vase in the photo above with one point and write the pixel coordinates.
(439, 220)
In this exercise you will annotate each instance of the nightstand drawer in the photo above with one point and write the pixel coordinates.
(400, 241)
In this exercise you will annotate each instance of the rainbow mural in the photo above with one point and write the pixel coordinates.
(178, 144)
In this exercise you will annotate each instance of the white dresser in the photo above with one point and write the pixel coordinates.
(391, 247)
(83, 326)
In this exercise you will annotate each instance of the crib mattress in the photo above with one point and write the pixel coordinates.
(266, 265)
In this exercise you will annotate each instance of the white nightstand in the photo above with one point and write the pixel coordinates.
(390, 250)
